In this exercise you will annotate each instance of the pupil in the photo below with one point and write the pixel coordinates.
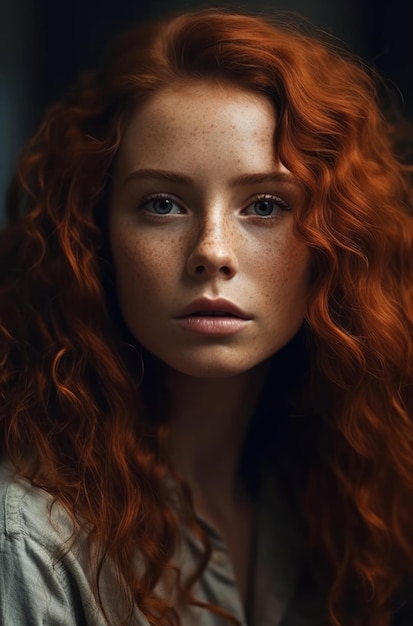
(264, 207)
(163, 206)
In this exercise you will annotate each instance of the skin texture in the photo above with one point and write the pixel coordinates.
(212, 243)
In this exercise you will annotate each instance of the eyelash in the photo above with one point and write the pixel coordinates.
(276, 200)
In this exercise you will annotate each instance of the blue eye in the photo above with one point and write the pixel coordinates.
(264, 207)
(267, 206)
(160, 205)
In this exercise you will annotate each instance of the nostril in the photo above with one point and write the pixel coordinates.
(225, 270)
(200, 269)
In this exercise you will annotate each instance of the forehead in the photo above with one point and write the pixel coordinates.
(197, 102)
(192, 121)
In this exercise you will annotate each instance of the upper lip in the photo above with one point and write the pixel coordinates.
(220, 305)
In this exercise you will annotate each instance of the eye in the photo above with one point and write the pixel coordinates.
(161, 205)
(267, 206)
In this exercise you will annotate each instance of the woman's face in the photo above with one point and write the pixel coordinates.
(210, 276)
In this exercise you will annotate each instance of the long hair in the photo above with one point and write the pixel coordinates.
(72, 418)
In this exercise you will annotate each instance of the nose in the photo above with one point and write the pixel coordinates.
(212, 251)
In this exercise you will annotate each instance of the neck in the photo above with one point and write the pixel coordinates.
(208, 421)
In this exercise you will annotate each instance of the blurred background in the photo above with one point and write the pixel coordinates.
(44, 44)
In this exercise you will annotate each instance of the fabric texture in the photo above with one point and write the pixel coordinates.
(45, 580)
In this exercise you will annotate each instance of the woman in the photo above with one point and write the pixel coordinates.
(206, 322)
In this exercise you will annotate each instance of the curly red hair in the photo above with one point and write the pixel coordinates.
(67, 394)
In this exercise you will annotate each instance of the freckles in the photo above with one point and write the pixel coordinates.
(282, 270)
(146, 257)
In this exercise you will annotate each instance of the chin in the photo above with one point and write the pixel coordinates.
(212, 368)
(212, 372)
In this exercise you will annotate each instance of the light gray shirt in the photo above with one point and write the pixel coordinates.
(44, 583)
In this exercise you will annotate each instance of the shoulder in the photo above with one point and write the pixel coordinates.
(28, 511)
(46, 576)
(42, 579)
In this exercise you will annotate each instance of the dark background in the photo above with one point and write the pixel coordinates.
(45, 43)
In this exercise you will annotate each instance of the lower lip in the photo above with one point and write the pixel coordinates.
(213, 325)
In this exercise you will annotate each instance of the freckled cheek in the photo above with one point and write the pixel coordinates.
(144, 265)
(281, 272)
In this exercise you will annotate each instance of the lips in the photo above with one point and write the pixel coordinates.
(205, 307)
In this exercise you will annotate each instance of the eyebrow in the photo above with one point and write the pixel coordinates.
(243, 179)
(270, 177)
